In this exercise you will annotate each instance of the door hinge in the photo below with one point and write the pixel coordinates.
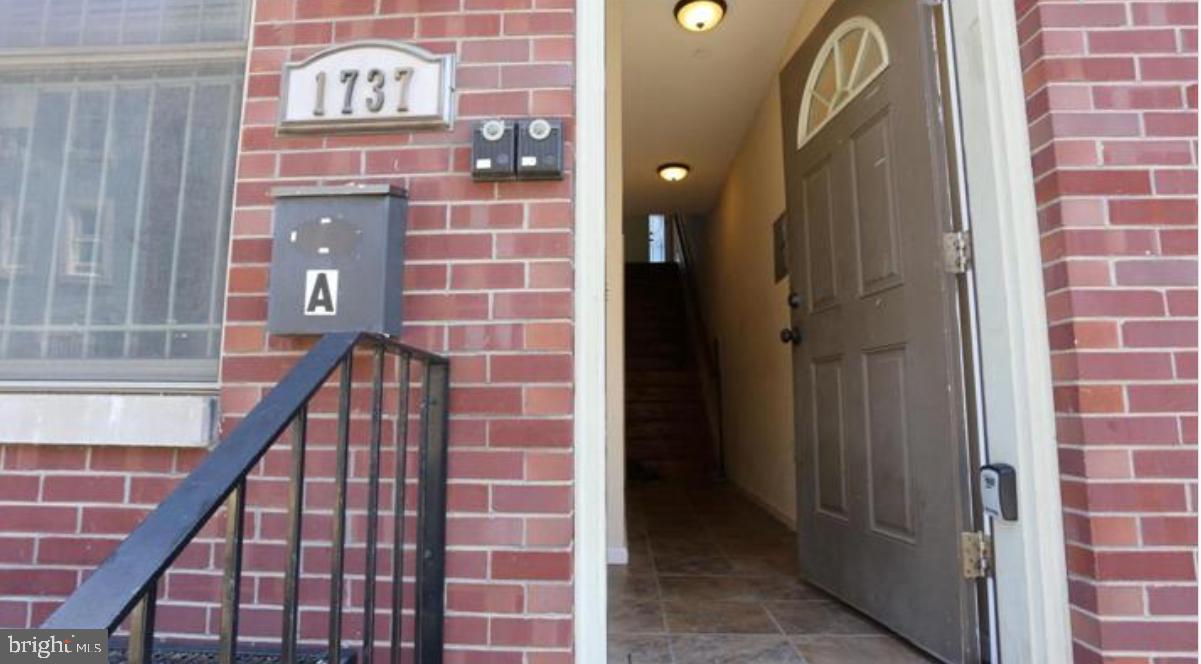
(975, 550)
(957, 252)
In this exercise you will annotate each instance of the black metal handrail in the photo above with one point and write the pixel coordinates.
(710, 364)
(126, 583)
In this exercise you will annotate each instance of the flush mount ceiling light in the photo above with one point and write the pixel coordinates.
(673, 172)
(700, 15)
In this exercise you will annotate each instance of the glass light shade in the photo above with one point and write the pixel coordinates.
(673, 172)
(700, 15)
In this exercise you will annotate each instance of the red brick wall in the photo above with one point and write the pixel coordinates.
(488, 282)
(1111, 98)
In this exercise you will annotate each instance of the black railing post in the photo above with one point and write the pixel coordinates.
(338, 563)
(431, 514)
(398, 503)
(126, 583)
(141, 627)
(231, 582)
(377, 412)
(295, 524)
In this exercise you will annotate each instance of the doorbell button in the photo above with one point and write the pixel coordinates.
(539, 129)
(493, 130)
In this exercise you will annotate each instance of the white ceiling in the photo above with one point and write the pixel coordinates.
(690, 97)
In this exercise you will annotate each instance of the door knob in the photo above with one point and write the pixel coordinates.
(794, 300)
(791, 335)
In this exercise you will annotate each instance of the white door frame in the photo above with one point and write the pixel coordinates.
(1031, 574)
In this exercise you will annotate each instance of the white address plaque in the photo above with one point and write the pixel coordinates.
(368, 86)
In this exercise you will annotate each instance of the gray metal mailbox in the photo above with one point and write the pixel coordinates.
(337, 260)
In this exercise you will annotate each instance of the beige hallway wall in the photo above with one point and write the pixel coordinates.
(746, 309)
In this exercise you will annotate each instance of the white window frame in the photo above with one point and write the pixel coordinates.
(830, 50)
(154, 375)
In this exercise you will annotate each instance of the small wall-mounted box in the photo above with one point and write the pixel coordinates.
(539, 149)
(493, 145)
(337, 260)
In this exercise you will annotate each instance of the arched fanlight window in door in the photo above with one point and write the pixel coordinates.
(852, 57)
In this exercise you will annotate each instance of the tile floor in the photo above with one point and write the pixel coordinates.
(712, 580)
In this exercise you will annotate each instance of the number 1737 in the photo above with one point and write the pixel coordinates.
(376, 80)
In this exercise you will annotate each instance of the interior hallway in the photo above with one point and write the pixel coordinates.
(712, 577)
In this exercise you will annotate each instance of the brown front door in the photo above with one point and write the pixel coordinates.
(882, 444)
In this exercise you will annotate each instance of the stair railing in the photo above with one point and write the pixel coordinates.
(127, 582)
(708, 360)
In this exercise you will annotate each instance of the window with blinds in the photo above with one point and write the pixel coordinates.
(118, 129)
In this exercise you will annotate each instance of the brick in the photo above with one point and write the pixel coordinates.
(1175, 181)
(83, 488)
(1169, 530)
(549, 597)
(534, 245)
(1117, 497)
(532, 305)
(1165, 464)
(531, 499)
(497, 215)
(531, 565)
(74, 551)
(375, 28)
(493, 530)
(450, 245)
(458, 25)
(549, 531)
(529, 433)
(486, 400)
(290, 34)
(1156, 211)
(530, 368)
(407, 160)
(491, 104)
(37, 582)
(487, 276)
(460, 306)
(1132, 41)
(1144, 635)
(1158, 334)
(1164, 13)
(1162, 398)
(549, 336)
(1168, 68)
(496, 50)
(485, 598)
(1172, 600)
(540, 632)
(1087, 182)
(537, 76)
(341, 163)
(23, 488)
(37, 519)
(1147, 153)
(539, 23)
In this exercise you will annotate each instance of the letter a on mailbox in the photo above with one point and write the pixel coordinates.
(320, 292)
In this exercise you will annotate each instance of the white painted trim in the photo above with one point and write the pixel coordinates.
(141, 420)
(618, 555)
(829, 50)
(1031, 575)
(589, 435)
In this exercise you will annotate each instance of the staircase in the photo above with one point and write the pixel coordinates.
(667, 431)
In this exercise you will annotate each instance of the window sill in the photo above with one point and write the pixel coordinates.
(129, 419)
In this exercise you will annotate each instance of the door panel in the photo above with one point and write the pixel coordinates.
(882, 444)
